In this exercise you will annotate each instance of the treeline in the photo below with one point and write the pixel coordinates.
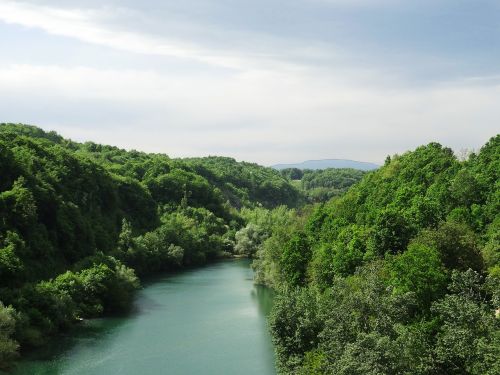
(323, 184)
(80, 222)
(400, 275)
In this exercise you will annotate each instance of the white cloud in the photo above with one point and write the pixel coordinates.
(281, 100)
(258, 115)
(90, 26)
(359, 3)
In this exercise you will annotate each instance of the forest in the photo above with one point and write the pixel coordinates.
(321, 185)
(400, 275)
(394, 271)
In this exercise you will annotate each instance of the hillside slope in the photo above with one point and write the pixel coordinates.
(401, 275)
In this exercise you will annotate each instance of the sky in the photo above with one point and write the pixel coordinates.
(265, 81)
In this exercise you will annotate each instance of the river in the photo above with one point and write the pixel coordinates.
(211, 320)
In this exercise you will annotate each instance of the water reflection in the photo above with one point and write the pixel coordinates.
(263, 296)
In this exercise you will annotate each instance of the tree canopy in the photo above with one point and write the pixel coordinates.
(399, 275)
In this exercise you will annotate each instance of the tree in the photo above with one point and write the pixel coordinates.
(295, 258)
(175, 254)
(392, 231)
(11, 259)
(249, 240)
(468, 340)
(456, 244)
(418, 270)
(125, 238)
(8, 346)
(295, 325)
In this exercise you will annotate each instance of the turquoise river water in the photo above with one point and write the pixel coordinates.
(206, 321)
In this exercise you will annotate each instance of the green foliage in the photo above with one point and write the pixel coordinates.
(468, 337)
(323, 184)
(418, 270)
(295, 325)
(456, 243)
(361, 314)
(249, 240)
(246, 184)
(11, 265)
(104, 285)
(275, 228)
(18, 205)
(339, 178)
(391, 231)
(292, 173)
(350, 249)
(8, 346)
(342, 257)
(294, 259)
(313, 363)
(404, 268)
(188, 236)
(491, 249)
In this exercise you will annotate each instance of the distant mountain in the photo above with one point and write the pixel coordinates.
(329, 163)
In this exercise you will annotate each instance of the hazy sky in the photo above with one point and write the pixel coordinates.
(263, 80)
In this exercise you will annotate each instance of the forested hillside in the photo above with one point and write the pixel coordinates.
(400, 275)
(323, 184)
(80, 222)
(245, 184)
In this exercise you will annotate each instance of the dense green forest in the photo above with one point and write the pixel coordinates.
(79, 223)
(320, 185)
(394, 271)
(400, 275)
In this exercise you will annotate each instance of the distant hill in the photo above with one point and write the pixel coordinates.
(329, 163)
